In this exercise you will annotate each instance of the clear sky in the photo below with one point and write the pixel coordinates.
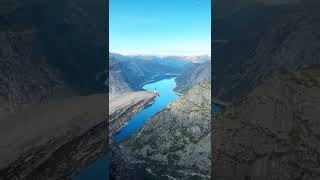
(160, 27)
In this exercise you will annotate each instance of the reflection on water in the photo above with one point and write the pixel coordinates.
(98, 170)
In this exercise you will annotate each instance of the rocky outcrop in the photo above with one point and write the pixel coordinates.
(51, 50)
(122, 108)
(196, 75)
(254, 39)
(273, 133)
(54, 140)
(117, 84)
(175, 143)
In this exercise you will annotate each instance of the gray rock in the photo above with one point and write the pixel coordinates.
(273, 133)
(176, 142)
(198, 74)
(123, 107)
(54, 140)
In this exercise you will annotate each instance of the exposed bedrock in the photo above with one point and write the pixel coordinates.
(175, 143)
(123, 108)
(273, 133)
(54, 140)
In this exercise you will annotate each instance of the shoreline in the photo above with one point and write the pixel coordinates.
(155, 80)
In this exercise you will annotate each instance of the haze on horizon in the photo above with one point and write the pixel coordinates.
(166, 27)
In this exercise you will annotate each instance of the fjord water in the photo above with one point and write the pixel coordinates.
(99, 169)
(167, 95)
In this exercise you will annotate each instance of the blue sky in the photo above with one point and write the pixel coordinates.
(160, 27)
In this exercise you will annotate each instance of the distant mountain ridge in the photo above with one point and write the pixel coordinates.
(198, 74)
(128, 73)
(193, 59)
(194, 70)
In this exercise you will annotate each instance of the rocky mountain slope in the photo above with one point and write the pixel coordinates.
(268, 38)
(173, 144)
(197, 74)
(50, 50)
(117, 82)
(273, 133)
(54, 140)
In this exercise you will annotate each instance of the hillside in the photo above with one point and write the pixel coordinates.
(198, 74)
(128, 73)
(273, 133)
(174, 143)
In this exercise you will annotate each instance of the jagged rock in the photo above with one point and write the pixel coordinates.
(174, 143)
(122, 108)
(273, 133)
(117, 84)
(54, 140)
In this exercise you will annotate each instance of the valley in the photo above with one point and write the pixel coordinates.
(124, 165)
(268, 71)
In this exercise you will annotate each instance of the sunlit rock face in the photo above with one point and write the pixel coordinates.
(174, 143)
(273, 133)
(124, 107)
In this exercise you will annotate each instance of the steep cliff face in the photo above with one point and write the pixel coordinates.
(196, 75)
(117, 82)
(173, 144)
(50, 50)
(273, 133)
(54, 140)
(122, 108)
(258, 39)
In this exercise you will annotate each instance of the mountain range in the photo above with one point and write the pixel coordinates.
(129, 73)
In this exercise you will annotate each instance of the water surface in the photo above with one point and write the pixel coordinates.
(99, 170)
(167, 95)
